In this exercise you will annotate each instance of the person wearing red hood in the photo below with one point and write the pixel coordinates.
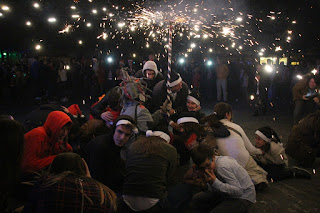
(43, 143)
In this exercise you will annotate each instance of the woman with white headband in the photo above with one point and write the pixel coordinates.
(237, 145)
(273, 158)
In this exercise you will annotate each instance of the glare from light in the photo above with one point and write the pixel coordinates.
(299, 77)
(268, 68)
(52, 19)
(121, 24)
(75, 16)
(182, 60)
(209, 63)
(193, 45)
(94, 11)
(314, 71)
(205, 36)
(240, 47)
(28, 23)
(5, 8)
(261, 53)
(80, 42)
(1, 14)
(104, 9)
(251, 97)
(89, 24)
(239, 19)
(109, 59)
(210, 50)
(278, 48)
(38, 47)
(66, 67)
(134, 55)
(36, 5)
(73, 7)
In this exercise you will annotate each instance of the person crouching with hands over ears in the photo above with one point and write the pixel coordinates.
(228, 185)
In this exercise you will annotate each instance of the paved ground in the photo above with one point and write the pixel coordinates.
(291, 195)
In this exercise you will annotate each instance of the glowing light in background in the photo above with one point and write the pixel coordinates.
(52, 20)
(94, 11)
(5, 8)
(36, 5)
(80, 42)
(89, 24)
(38, 47)
(28, 23)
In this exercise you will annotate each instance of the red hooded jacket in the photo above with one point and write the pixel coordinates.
(42, 145)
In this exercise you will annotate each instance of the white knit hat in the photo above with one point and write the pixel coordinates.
(150, 65)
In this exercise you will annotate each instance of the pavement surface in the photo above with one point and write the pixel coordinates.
(290, 195)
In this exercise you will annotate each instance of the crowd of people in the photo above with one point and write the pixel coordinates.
(75, 79)
(147, 147)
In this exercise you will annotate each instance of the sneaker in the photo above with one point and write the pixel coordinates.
(300, 173)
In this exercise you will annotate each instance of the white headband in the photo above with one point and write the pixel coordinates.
(176, 82)
(187, 119)
(262, 136)
(193, 99)
(126, 122)
(160, 134)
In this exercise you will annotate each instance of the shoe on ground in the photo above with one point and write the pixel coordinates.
(261, 187)
(300, 173)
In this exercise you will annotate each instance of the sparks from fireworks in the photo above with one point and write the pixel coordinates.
(229, 29)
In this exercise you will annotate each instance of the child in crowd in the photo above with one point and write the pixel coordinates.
(273, 158)
(237, 145)
(229, 187)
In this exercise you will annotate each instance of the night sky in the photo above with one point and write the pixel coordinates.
(260, 29)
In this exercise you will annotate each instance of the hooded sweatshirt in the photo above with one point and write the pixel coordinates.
(41, 143)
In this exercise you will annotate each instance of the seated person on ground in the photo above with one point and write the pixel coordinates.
(229, 187)
(304, 140)
(274, 159)
(237, 145)
(150, 164)
(43, 143)
(68, 187)
(105, 154)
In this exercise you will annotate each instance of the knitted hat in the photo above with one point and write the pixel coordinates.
(160, 129)
(134, 89)
(75, 111)
(175, 79)
(195, 97)
(187, 117)
(267, 134)
(126, 120)
(150, 65)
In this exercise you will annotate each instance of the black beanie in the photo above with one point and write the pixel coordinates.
(195, 97)
(267, 134)
(159, 129)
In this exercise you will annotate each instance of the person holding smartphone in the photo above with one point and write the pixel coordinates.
(305, 97)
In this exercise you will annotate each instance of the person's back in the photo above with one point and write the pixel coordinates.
(68, 187)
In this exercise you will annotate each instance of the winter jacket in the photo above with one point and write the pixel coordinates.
(147, 175)
(104, 161)
(159, 96)
(304, 140)
(275, 155)
(42, 145)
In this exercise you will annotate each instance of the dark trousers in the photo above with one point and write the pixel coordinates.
(218, 202)
(177, 200)
(277, 172)
(303, 108)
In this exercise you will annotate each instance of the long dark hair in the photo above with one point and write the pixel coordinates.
(220, 110)
(12, 141)
(71, 165)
